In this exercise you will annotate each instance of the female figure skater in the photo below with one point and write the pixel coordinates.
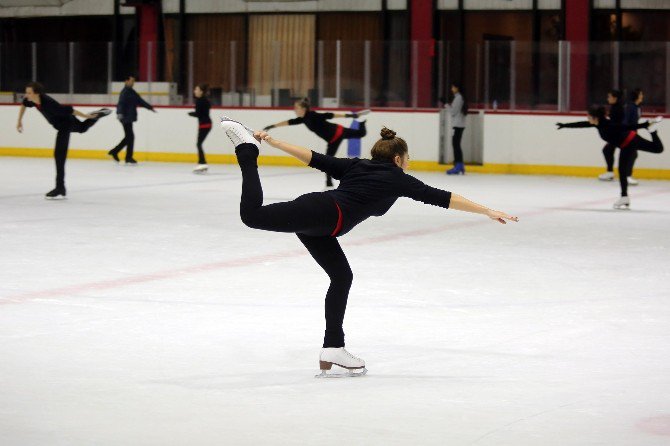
(202, 106)
(616, 115)
(626, 138)
(318, 123)
(62, 118)
(458, 110)
(632, 114)
(367, 188)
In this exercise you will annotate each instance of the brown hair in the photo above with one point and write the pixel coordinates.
(204, 88)
(388, 146)
(36, 87)
(303, 103)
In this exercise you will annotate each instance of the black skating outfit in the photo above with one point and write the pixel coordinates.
(332, 133)
(616, 115)
(126, 111)
(202, 107)
(367, 188)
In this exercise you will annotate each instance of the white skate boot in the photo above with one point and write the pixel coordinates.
(201, 168)
(653, 124)
(622, 203)
(340, 357)
(632, 181)
(607, 176)
(238, 132)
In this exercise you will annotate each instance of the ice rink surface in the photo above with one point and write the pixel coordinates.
(141, 311)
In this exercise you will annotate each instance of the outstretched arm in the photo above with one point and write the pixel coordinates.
(279, 124)
(462, 204)
(19, 124)
(574, 125)
(303, 154)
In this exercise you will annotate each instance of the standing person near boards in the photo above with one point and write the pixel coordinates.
(616, 116)
(458, 109)
(126, 112)
(632, 114)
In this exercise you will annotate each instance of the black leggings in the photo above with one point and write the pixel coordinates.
(128, 140)
(456, 143)
(608, 153)
(202, 134)
(346, 134)
(62, 144)
(628, 154)
(313, 218)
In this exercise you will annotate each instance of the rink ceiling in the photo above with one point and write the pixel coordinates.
(142, 311)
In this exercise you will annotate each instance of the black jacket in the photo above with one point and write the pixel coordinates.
(318, 123)
(56, 114)
(616, 113)
(633, 113)
(612, 133)
(369, 187)
(129, 100)
(202, 106)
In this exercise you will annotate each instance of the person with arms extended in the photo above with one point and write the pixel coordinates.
(126, 112)
(626, 138)
(318, 123)
(368, 187)
(62, 118)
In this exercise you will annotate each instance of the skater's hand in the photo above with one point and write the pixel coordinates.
(559, 125)
(500, 216)
(264, 136)
(19, 127)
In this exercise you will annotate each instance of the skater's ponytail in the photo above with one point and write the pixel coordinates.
(303, 103)
(389, 146)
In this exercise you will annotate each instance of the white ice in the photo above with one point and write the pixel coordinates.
(141, 311)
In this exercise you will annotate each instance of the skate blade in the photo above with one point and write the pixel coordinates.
(624, 207)
(348, 374)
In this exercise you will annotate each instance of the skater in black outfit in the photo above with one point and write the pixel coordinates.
(367, 188)
(62, 118)
(126, 112)
(202, 106)
(616, 116)
(318, 123)
(632, 114)
(626, 138)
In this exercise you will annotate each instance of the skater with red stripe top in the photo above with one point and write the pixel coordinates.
(626, 138)
(202, 106)
(318, 123)
(367, 188)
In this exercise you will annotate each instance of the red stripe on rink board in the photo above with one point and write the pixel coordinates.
(256, 260)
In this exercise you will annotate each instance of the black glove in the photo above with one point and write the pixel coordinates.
(559, 125)
(193, 114)
(265, 129)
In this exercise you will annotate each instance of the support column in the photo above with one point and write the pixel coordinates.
(148, 16)
(421, 30)
(577, 17)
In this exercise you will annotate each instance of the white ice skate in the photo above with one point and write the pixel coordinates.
(607, 176)
(238, 132)
(342, 358)
(632, 181)
(622, 203)
(653, 124)
(201, 168)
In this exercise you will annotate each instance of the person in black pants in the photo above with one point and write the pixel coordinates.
(367, 188)
(632, 114)
(626, 138)
(616, 115)
(202, 106)
(126, 112)
(318, 123)
(62, 118)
